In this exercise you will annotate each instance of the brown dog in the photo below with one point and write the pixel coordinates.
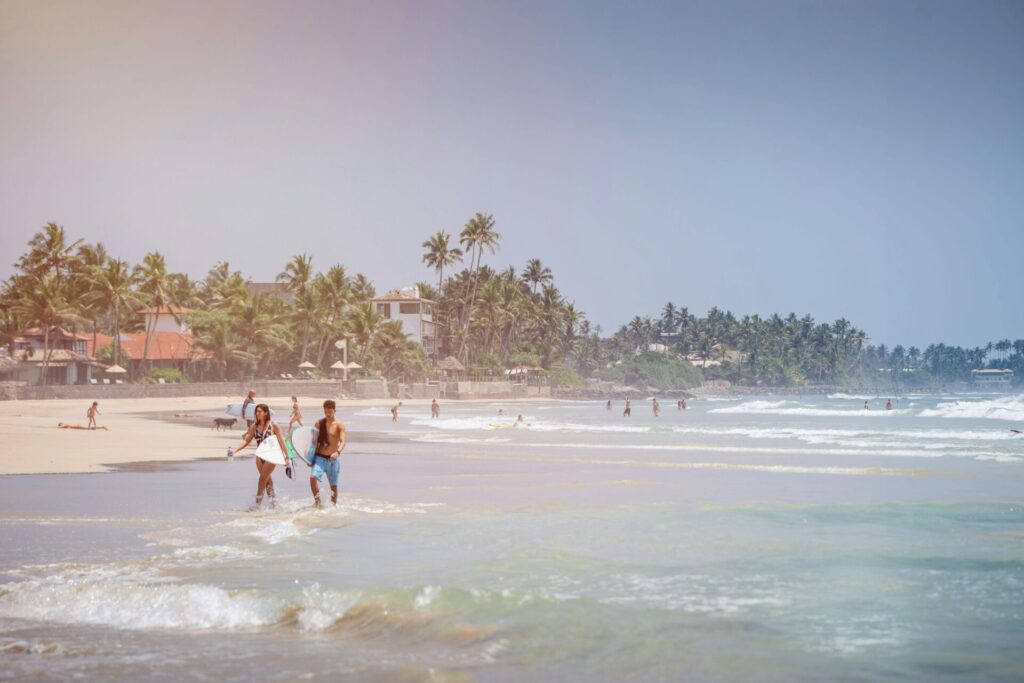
(226, 422)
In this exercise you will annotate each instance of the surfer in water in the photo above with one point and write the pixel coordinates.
(263, 428)
(296, 417)
(330, 442)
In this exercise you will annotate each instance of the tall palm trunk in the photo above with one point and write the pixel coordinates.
(478, 253)
(46, 355)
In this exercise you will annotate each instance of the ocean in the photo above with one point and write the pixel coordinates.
(754, 539)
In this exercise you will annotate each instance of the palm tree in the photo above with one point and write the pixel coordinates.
(49, 251)
(440, 254)
(84, 274)
(536, 273)
(308, 313)
(44, 302)
(297, 273)
(115, 293)
(215, 337)
(478, 233)
(365, 325)
(154, 284)
(224, 289)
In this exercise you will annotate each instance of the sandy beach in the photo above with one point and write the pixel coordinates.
(138, 430)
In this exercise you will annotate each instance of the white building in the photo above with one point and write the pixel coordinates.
(416, 315)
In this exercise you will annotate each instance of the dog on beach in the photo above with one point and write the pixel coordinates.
(225, 422)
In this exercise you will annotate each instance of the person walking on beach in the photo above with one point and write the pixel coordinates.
(330, 442)
(249, 398)
(296, 417)
(628, 411)
(435, 409)
(93, 411)
(261, 429)
(656, 408)
(394, 411)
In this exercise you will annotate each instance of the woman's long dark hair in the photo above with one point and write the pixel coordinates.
(256, 412)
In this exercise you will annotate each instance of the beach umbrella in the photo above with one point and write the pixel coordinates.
(306, 365)
(116, 370)
(354, 366)
(337, 365)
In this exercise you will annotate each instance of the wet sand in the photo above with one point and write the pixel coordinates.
(141, 434)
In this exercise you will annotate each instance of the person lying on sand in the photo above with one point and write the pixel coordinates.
(62, 425)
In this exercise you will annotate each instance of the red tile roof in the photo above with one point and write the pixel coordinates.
(164, 346)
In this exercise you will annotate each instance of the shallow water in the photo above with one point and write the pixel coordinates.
(751, 539)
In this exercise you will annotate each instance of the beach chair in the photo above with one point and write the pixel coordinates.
(160, 380)
(106, 381)
(118, 381)
(93, 380)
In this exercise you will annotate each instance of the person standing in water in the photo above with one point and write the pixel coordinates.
(628, 411)
(656, 408)
(296, 417)
(888, 404)
(330, 442)
(261, 429)
(608, 406)
(866, 406)
(435, 409)
(394, 411)
(93, 411)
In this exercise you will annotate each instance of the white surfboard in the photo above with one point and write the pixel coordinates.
(270, 450)
(304, 442)
(235, 410)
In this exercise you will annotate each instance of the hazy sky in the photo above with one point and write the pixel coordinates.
(859, 159)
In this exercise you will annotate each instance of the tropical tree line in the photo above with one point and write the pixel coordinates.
(59, 283)
(490, 319)
(792, 351)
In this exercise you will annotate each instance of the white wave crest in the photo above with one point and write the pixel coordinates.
(1010, 408)
(795, 408)
(132, 599)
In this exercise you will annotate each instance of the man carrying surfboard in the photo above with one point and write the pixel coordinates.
(330, 442)
(249, 398)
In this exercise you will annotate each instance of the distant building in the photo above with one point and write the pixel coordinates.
(67, 361)
(278, 290)
(992, 379)
(170, 342)
(416, 315)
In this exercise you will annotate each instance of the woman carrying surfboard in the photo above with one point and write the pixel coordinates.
(262, 429)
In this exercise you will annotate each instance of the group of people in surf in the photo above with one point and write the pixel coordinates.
(888, 405)
(655, 407)
(329, 445)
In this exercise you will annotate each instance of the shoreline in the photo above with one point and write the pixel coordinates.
(147, 427)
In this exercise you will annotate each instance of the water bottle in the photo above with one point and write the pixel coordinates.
(231, 452)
